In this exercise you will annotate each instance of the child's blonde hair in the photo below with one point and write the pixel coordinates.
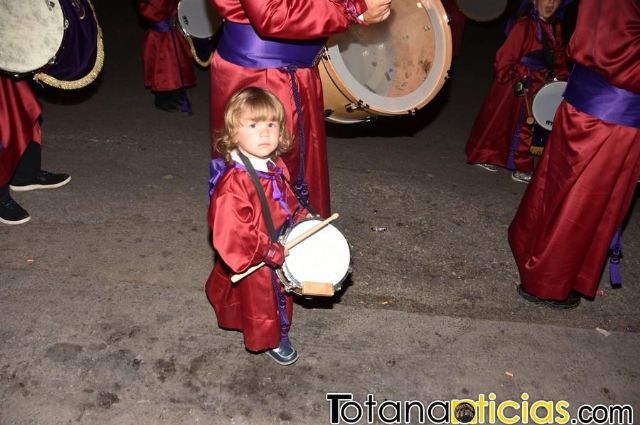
(260, 105)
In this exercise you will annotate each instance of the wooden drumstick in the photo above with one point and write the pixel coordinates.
(530, 119)
(288, 246)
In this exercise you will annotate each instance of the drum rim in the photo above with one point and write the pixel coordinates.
(535, 108)
(291, 283)
(202, 35)
(400, 105)
(482, 18)
(19, 72)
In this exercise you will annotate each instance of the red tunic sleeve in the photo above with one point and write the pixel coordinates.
(237, 234)
(292, 19)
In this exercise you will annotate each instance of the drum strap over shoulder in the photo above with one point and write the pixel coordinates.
(263, 198)
(280, 299)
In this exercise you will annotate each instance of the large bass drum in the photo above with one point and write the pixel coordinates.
(58, 42)
(394, 67)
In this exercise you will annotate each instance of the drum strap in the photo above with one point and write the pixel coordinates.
(281, 301)
(263, 199)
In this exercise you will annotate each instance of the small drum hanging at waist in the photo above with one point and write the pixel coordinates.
(546, 102)
(31, 33)
(482, 10)
(199, 21)
(394, 67)
(319, 264)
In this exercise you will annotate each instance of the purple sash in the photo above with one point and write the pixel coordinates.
(241, 45)
(592, 94)
(166, 25)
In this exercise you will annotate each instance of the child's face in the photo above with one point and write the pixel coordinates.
(546, 8)
(257, 138)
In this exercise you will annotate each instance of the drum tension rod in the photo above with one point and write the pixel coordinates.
(352, 107)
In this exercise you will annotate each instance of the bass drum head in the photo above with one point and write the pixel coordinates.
(482, 10)
(394, 67)
(198, 18)
(324, 257)
(545, 103)
(30, 34)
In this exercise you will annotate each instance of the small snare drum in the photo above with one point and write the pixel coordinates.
(318, 265)
(546, 102)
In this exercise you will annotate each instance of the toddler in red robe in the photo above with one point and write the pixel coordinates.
(245, 230)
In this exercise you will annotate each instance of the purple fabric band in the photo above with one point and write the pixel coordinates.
(615, 277)
(533, 62)
(166, 25)
(77, 53)
(241, 45)
(592, 94)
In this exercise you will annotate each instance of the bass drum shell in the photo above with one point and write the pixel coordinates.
(394, 67)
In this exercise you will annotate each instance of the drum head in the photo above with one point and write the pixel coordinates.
(324, 257)
(393, 67)
(30, 34)
(482, 10)
(546, 102)
(198, 18)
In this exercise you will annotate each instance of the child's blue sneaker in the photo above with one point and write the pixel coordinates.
(284, 354)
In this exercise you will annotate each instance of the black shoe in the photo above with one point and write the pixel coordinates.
(41, 180)
(571, 302)
(283, 355)
(12, 213)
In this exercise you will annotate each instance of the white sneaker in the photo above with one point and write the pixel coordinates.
(521, 176)
(488, 167)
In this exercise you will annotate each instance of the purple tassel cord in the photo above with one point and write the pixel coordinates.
(614, 262)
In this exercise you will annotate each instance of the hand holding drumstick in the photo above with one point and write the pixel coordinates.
(377, 11)
(288, 246)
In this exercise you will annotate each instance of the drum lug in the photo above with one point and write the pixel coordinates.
(352, 107)
(370, 118)
(328, 112)
(412, 112)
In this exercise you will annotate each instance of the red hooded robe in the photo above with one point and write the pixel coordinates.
(168, 64)
(585, 182)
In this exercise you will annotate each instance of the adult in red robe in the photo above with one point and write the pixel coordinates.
(241, 238)
(289, 20)
(585, 182)
(20, 150)
(19, 123)
(500, 135)
(166, 55)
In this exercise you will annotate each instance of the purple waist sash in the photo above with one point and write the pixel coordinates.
(241, 45)
(591, 93)
(166, 25)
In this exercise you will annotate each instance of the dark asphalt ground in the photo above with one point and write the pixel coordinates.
(104, 318)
